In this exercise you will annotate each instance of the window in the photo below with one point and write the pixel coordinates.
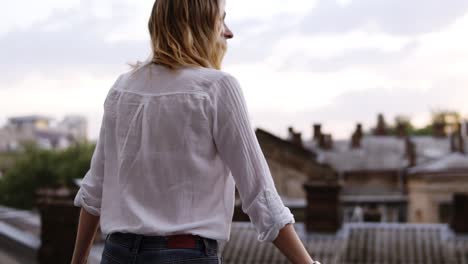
(445, 212)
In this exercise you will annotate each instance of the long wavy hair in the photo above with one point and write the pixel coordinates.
(187, 33)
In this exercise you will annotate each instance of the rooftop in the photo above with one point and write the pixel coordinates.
(29, 118)
(381, 152)
(451, 162)
(361, 243)
(364, 243)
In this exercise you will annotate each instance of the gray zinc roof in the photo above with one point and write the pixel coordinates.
(357, 243)
(453, 161)
(380, 152)
(364, 243)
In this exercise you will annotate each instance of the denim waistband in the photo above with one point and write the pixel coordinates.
(137, 242)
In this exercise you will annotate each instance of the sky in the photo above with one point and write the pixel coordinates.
(299, 62)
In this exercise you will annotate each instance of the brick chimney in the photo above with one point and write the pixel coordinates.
(59, 222)
(438, 129)
(356, 138)
(459, 220)
(466, 127)
(323, 207)
(294, 137)
(410, 149)
(401, 130)
(297, 139)
(381, 129)
(457, 143)
(326, 142)
(290, 133)
(317, 131)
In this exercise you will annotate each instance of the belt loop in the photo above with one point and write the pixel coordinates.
(205, 246)
(210, 248)
(136, 243)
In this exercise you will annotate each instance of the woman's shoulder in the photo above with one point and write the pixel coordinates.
(212, 75)
(203, 78)
(210, 80)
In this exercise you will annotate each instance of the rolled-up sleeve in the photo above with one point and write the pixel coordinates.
(90, 193)
(239, 149)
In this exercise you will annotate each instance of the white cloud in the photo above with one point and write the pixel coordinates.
(344, 3)
(24, 13)
(239, 10)
(335, 62)
(326, 46)
(79, 93)
(446, 51)
(399, 17)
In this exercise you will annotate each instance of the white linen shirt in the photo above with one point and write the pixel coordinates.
(172, 147)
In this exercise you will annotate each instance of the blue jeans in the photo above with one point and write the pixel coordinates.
(122, 248)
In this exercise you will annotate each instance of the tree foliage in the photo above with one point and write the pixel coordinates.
(37, 168)
(449, 118)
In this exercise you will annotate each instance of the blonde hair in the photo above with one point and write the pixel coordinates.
(186, 33)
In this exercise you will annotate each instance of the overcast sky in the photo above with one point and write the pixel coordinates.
(336, 62)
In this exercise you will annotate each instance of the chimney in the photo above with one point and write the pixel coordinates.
(438, 129)
(294, 137)
(326, 141)
(59, 223)
(466, 128)
(317, 132)
(461, 142)
(323, 207)
(453, 142)
(356, 138)
(297, 139)
(459, 220)
(457, 143)
(410, 149)
(401, 130)
(290, 133)
(381, 129)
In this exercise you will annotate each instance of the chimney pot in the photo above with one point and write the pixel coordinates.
(359, 129)
(438, 129)
(317, 132)
(410, 149)
(297, 139)
(290, 133)
(459, 128)
(381, 129)
(294, 137)
(457, 143)
(326, 141)
(466, 128)
(356, 138)
(401, 130)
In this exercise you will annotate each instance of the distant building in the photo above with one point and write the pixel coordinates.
(431, 186)
(75, 126)
(363, 243)
(371, 179)
(291, 165)
(373, 168)
(38, 129)
(33, 122)
(18, 131)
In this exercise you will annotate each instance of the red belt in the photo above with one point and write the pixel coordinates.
(182, 241)
(171, 241)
